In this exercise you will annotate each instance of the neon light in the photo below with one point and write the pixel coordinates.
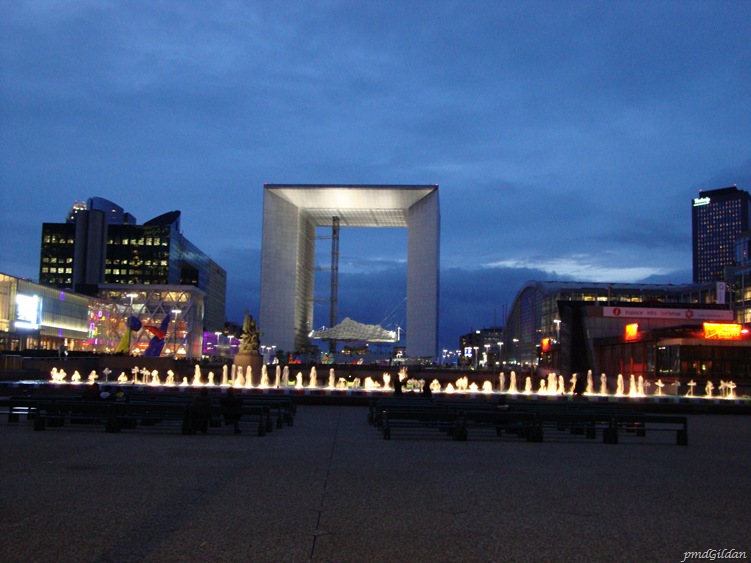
(722, 331)
(699, 201)
(632, 331)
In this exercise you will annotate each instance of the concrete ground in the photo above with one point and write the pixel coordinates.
(330, 488)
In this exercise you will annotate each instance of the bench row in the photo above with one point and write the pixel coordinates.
(147, 411)
(527, 420)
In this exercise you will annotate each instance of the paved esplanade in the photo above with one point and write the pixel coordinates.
(331, 489)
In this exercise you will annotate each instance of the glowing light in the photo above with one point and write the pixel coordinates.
(722, 331)
(632, 331)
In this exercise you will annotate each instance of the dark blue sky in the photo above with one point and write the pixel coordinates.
(567, 138)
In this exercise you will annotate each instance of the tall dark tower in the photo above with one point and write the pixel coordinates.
(718, 218)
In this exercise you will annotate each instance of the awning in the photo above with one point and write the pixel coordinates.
(352, 331)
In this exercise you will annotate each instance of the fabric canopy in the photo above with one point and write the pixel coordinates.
(352, 331)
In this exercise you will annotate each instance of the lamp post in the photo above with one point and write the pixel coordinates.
(127, 322)
(216, 349)
(174, 339)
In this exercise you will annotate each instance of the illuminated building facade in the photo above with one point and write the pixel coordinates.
(41, 318)
(103, 245)
(572, 327)
(742, 279)
(718, 219)
(291, 213)
(479, 348)
(36, 317)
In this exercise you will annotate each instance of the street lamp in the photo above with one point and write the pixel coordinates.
(216, 349)
(127, 322)
(174, 340)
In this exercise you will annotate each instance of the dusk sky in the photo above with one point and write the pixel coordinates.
(567, 138)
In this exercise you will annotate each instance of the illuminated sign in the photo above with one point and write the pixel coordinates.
(722, 331)
(699, 201)
(677, 314)
(28, 311)
(632, 331)
(546, 344)
(468, 351)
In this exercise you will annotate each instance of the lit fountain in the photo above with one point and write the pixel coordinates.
(691, 385)
(632, 386)
(659, 385)
(552, 385)
(512, 385)
(313, 383)
(239, 379)
(619, 386)
(502, 382)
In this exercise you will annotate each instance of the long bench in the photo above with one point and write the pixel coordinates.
(588, 418)
(117, 416)
(526, 419)
(421, 417)
(26, 405)
(283, 409)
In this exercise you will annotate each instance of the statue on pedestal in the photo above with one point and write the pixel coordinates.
(247, 358)
(251, 335)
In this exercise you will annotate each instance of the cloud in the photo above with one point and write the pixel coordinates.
(566, 140)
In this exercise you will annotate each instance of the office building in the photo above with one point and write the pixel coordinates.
(102, 245)
(653, 330)
(718, 219)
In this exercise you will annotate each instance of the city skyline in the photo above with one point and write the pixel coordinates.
(567, 140)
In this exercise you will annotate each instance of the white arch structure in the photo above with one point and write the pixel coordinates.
(291, 214)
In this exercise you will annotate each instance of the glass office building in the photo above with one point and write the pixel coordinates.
(718, 219)
(101, 245)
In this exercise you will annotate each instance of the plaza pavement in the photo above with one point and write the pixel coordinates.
(330, 488)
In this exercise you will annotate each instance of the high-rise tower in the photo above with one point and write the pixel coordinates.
(718, 218)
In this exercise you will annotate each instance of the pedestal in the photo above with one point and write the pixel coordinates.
(252, 359)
